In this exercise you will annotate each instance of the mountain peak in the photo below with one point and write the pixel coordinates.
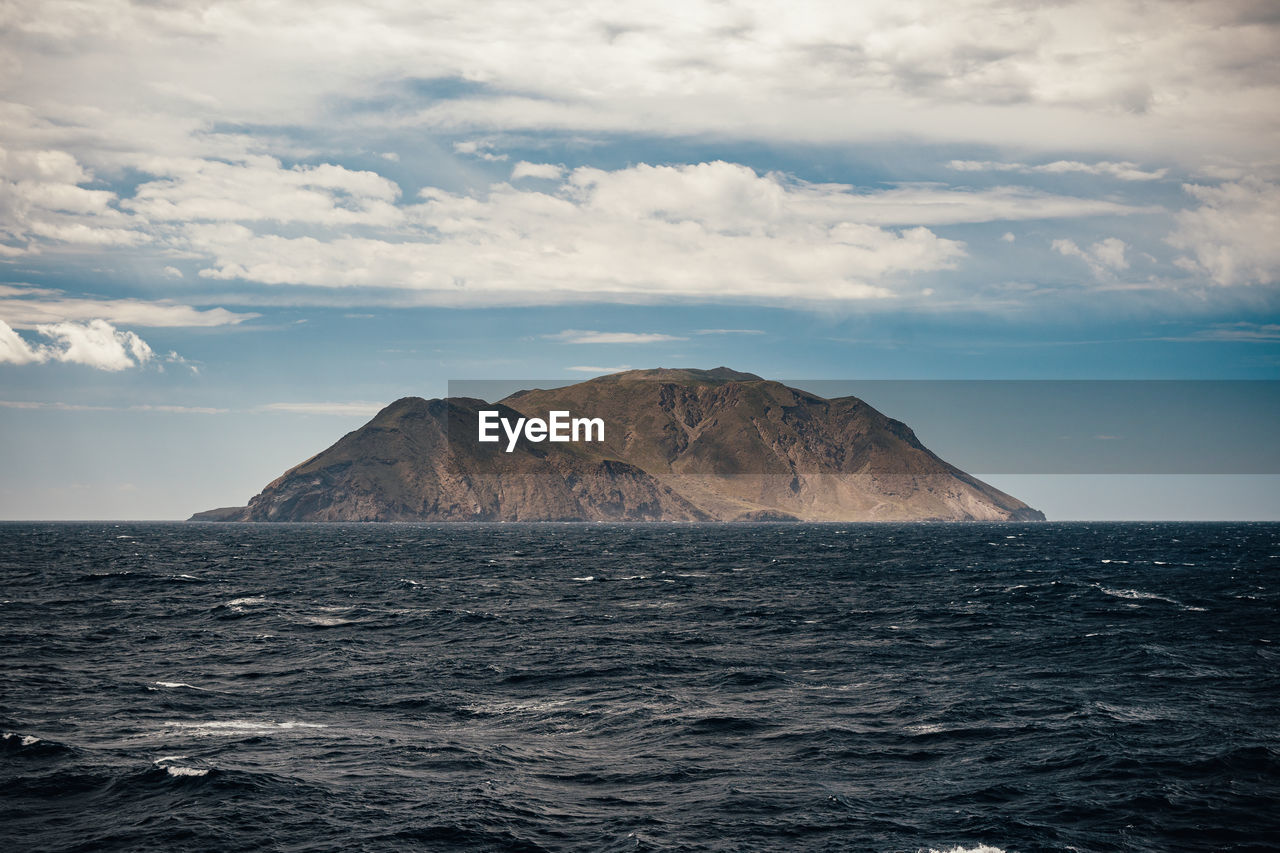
(682, 375)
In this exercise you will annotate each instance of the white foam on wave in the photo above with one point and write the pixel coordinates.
(327, 621)
(186, 771)
(981, 848)
(173, 685)
(241, 727)
(587, 578)
(177, 770)
(1137, 595)
(536, 707)
(24, 740)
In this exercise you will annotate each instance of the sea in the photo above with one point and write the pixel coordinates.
(967, 688)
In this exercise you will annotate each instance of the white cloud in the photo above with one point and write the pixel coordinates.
(1110, 253)
(1263, 333)
(481, 148)
(1124, 171)
(15, 350)
(547, 171)
(41, 201)
(711, 231)
(260, 188)
(95, 344)
(76, 407)
(1232, 234)
(61, 407)
(124, 78)
(1104, 258)
(579, 336)
(584, 368)
(26, 308)
(929, 204)
(729, 332)
(180, 410)
(346, 409)
(144, 91)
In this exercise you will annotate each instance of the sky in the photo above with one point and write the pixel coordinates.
(231, 231)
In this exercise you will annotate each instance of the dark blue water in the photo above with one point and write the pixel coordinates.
(1091, 687)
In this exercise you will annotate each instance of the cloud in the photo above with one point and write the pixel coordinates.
(127, 80)
(929, 204)
(42, 201)
(729, 332)
(478, 148)
(75, 407)
(1103, 72)
(61, 407)
(525, 169)
(1232, 234)
(578, 336)
(582, 368)
(95, 344)
(709, 231)
(1110, 253)
(124, 126)
(326, 408)
(26, 308)
(1242, 332)
(180, 410)
(1123, 171)
(15, 350)
(261, 189)
(1104, 258)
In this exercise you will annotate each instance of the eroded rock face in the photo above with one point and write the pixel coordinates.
(680, 445)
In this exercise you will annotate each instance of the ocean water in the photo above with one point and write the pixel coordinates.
(974, 687)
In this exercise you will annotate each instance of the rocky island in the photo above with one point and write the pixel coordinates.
(679, 445)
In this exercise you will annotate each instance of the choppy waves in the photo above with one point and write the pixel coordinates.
(902, 689)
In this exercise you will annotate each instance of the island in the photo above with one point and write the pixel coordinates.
(678, 445)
